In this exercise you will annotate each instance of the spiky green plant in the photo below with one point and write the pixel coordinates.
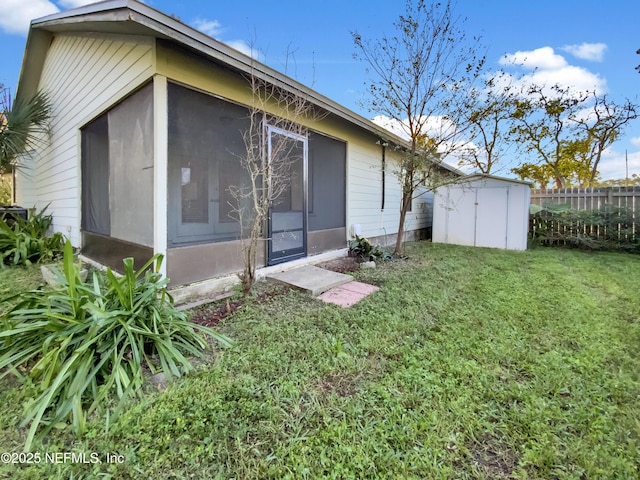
(23, 242)
(82, 342)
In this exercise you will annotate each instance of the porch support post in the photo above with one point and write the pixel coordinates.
(160, 170)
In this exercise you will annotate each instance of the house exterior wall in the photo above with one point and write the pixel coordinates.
(365, 210)
(87, 74)
(83, 75)
(363, 177)
(364, 156)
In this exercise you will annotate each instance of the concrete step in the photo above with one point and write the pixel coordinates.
(314, 280)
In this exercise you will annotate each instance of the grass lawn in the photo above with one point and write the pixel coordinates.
(467, 363)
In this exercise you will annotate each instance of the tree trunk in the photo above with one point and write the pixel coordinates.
(560, 180)
(399, 249)
(594, 169)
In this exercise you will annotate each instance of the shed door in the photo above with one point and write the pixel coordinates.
(492, 217)
(460, 217)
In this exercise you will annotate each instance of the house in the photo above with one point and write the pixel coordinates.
(148, 115)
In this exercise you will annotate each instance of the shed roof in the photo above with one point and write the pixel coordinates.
(131, 17)
(478, 176)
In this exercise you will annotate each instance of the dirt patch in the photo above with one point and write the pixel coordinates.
(346, 384)
(343, 384)
(210, 314)
(341, 265)
(493, 457)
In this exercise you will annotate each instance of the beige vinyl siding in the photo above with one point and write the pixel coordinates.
(365, 192)
(84, 75)
(364, 189)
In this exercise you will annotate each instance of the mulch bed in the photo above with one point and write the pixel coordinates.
(210, 314)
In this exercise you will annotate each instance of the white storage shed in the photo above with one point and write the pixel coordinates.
(483, 211)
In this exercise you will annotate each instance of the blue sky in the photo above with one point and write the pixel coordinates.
(577, 42)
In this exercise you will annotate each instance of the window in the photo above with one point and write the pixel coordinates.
(96, 217)
(205, 145)
(327, 182)
(117, 171)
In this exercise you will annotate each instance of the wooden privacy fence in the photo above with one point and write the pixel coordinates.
(588, 198)
(590, 215)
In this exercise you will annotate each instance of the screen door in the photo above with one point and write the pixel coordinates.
(287, 225)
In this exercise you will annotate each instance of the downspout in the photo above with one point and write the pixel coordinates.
(383, 170)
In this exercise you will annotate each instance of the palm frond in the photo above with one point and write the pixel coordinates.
(23, 127)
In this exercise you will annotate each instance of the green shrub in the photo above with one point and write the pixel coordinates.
(23, 242)
(606, 228)
(362, 247)
(82, 342)
(6, 188)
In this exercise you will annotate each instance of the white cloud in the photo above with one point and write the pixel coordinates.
(587, 51)
(614, 164)
(244, 47)
(212, 28)
(543, 58)
(394, 126)
(570, 76)
(436, 126)
(544, 67)
(16, 15)
(635, 141)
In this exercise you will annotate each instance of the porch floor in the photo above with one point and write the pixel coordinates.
(314, 280)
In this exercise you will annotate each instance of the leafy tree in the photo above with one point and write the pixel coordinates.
(544, 121)
(489, 109)
(540, 175)
(568, 131)
(418, 75)
(22, 126)
(601, 128)
(573, 164)
(633, 181)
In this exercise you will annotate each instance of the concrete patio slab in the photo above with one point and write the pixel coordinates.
(348, 294)
(311, 279)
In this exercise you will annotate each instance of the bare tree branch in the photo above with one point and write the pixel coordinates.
(269, 160)
(418, 76)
